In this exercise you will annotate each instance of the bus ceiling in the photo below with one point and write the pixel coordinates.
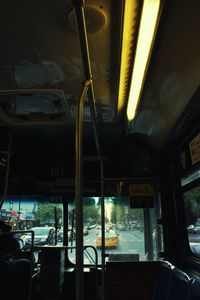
(44, 64)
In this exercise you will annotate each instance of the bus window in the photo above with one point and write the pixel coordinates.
(25, 213)
(192, 213)
(129, 233)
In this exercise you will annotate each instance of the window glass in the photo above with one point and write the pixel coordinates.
(32, 214)
(130, 234)
(192, 212)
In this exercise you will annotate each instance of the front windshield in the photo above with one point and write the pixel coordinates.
(128, 231)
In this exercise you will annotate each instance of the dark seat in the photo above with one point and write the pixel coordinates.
(163, 281)
(194, 293)
(179, 285)
(9, 245)
(6, 278)
(26, 255)
(126, 280)
(16, 278)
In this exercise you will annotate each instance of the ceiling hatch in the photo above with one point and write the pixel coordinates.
(29, 107)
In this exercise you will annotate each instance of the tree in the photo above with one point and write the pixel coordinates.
(192, 205)
(45, 213)
(89, 201)
(90, 213)
(118, 213)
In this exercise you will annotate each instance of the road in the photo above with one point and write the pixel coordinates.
(129, 242)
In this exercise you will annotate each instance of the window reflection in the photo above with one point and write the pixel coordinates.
(192, 213)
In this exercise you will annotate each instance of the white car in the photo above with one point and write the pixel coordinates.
(42, 236)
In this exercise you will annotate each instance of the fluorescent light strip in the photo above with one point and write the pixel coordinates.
(130, 7)
(146, 33)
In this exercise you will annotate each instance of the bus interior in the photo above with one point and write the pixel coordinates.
(100, 149)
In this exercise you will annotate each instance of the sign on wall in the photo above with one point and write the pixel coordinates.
(195, 149)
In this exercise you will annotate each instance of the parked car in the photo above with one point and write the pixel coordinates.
(71, 235)
(111, 239)
(121, 227)
(42, 236)
(60, 235)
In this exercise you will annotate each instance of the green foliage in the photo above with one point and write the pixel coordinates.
(90, 213)
(118, 214)
(121, 211)
(192, 205)
(119, 206)
(89, 201)
(45, 213)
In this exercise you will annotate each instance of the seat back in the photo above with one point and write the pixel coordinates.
(126, 280)
(194, 293)
(179, 285)
(163, 281)
(16, 279)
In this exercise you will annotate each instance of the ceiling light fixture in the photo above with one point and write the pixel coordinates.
(146, 36)
(128, 34)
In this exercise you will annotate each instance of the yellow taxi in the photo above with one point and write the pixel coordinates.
(111, 239)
